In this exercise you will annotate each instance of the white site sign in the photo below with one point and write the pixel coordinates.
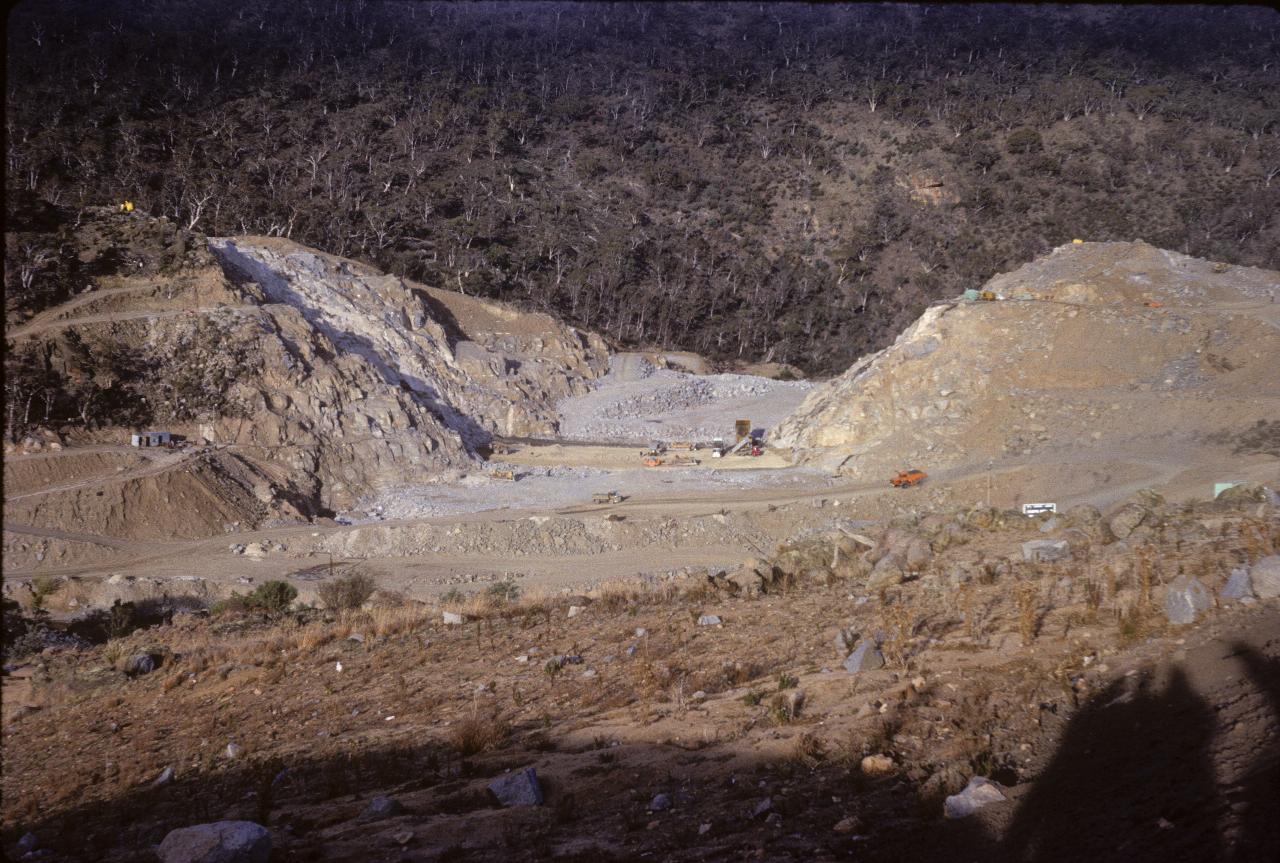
(1037, 508)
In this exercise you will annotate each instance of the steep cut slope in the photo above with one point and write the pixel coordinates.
(324, 379)
(483, 368)
(1095, 347)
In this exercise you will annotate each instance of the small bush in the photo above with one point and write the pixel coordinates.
(477, 734)
(42, 587)
(272, 597)
(347, 592)
(503, 592)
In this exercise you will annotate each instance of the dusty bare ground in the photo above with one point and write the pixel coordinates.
(1111, 732)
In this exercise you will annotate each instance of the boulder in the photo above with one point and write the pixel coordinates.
(887, 573)
(978, 793)
(865, 657)
(517, 788)
(1245, 492)
(877, 765)
(139, 664)
(1046, 550)
(1265, 576)
(1239, 586)
(710, 620)
(381, 808)
(1126, 521)
(453, 618)
(1185, 598)
(219, 842)
(918, 555)
(660, 803)
(748, 582)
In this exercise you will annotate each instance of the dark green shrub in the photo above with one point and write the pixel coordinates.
(272, 597)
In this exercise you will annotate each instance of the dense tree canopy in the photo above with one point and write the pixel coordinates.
(750, 181)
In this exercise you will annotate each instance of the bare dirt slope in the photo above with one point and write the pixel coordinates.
(1096, 351)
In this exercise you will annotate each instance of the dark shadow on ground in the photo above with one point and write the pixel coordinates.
(1133, 779)
(1257, 796)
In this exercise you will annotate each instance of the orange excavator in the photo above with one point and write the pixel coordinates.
(908, 478)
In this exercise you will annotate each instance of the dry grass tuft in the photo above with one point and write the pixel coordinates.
(476, 734)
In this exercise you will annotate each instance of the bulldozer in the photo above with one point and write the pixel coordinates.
(908, 478)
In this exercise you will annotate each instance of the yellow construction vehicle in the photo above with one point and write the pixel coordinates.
(502, 473)
(126, 206)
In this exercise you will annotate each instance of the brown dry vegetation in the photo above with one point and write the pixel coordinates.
(727, 715)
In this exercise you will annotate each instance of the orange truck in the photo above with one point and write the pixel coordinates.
(906, 478)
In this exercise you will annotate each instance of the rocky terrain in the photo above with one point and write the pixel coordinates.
(368, 608)
(949, 682)
(1095, 349)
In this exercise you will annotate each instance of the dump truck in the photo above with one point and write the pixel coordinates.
(606, 497)
(503, 473)
(908, 478)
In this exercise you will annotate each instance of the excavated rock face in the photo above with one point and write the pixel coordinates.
(482, 368)
(328, 380)
(1096, 343)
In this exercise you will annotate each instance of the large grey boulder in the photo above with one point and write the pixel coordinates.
(139, 664)
(517, 788)
(1266, 577)
(978, 793)
(865, 657)
(1046, 550)
(219, 842)
(1185, 598)
(1238, 587)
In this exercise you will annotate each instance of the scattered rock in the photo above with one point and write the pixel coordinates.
(518, 788)
(575, 610)
(452, 618)
(641, 632)
(219, 842)
(139, 664)
(380, 808)
(1265, 576)
(865, 657)
(660, 803)
(1126, 521)
(877, 765)
(845, 640)
(764, 807)
(710, 620)
(28, 843)
(1185, 598)
(847, 825)
(1045, 550)
(978, 793)
(1239, 586)
(165, 777)
(233, 751)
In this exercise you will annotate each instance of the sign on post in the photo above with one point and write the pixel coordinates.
(1037, 508)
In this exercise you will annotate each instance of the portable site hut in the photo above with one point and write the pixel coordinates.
(151, 438)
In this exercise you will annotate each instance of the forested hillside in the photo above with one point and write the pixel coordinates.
(751, 181)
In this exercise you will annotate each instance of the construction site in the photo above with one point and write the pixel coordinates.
(1055, 454)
